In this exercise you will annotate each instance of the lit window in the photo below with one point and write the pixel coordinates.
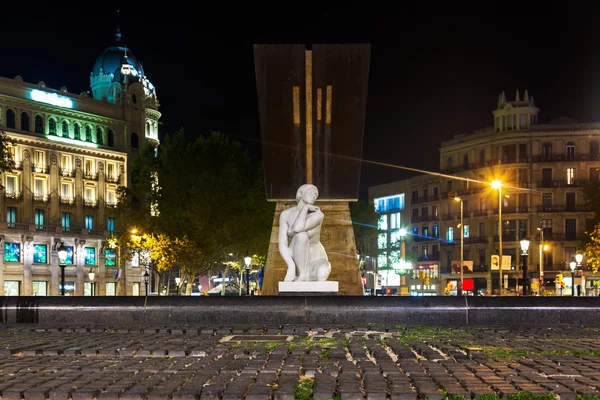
(395, 221)
(570, 176)
(382, 224)
(466, 231)
(450, 234)
(382, 241)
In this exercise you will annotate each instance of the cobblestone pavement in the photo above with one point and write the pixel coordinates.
(375, 362)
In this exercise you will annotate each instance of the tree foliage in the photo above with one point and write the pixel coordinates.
(364, 223)
(210, 201)
(592, 249)
(7, 162)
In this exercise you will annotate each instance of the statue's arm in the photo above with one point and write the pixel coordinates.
(313, 220)
(284, 250)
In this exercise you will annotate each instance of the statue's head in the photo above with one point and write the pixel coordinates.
(308, 193)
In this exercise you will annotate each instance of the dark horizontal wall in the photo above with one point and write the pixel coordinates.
(327, 311)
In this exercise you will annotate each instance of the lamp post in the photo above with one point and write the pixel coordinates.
(573, 266)
(247, 261)
(541, 256)
(402, 233)
(146, 280)
(496, 184)
(177, 282)
(462, 252)
(524, 255)
(92, 275)
(579, 259)
(62, 257)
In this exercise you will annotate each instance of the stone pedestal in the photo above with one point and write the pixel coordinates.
(324, 288)
(337, 238)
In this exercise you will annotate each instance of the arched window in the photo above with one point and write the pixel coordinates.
(449, 163)
(99, 138)
(24, 121)
(65, 128)
(88, 133)
(594, 153)
(482, 157)
(570, 151)
(111, 138)
(133, 98)
(52, 126)
(546, 151)
(10, 119)
(76, 131)
(148, 129)
(135, 141)
(466, 161)
(39, 124)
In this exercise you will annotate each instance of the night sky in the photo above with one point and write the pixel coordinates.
(431, 77)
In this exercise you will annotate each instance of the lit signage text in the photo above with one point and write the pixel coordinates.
(51, 98)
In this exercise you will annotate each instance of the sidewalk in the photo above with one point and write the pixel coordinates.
(376, 362)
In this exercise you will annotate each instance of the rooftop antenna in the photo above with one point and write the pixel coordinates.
(118, 34)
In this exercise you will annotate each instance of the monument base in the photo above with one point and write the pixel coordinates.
(324, 288)
(337, 236)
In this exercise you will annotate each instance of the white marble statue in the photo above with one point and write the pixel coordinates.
(305, 256)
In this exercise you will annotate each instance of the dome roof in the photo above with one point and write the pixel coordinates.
(113, 57)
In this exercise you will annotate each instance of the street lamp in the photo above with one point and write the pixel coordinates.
(92, 275)
(177, 282)
(524, 255)
(462, 253)
(579, 258)
(146, 280)
(247, 261)
(496, 184)
(62, 258)
(573, 266)
(402, 233)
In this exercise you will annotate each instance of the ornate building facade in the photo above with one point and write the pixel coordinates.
(542, 169)
(72, 152)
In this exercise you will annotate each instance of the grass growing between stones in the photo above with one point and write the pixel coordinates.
(516, 396)
(304, 389)
(498, 353)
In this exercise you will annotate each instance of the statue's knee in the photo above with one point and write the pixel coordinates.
(323, 271)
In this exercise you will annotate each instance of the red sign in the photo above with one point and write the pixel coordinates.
(468, 284)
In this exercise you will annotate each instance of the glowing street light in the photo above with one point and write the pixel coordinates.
(496, 184)
(462, 253)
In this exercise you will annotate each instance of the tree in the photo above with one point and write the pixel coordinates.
(591, 194)
(364, 223)
(7, 162)
(592, 248)
(206, 196)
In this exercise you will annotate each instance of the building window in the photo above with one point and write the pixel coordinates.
(39, 219)
(111, 198)
(52, 126)
(89, 223)
(111, 225)
(90, 195)
(77, 131)
(135, 141)
(449, 163)
(595, 175)
(11, 217)
(99, 138)
(10, 119)
(570, 176)
(394, 219)
(66, 222)
(24, 121)
(12, 288)
(546, 151)
(465, 161)
(570, 151)
(11, 186)
(382, 223)
(389, 203)
(482, 230)
(594, 152)
(466, 231)
(39, 191)
(39, 124)
(481, 157)
(450, 234)
(88, 167)
(65, 129)
(111, 289)
(382, 241)
(436, 231)
(40, 288)
(111, 138)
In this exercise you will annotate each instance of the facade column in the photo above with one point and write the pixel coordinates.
(78, 194)
(54, 192)
(27, 188)
(101, 195)
(79, 267)
(1, 265)
(54, 289)
(101, 271)
(27, 249)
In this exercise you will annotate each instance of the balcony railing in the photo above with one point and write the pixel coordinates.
(90, 203)
(112, 179)
(13, 195)
(40, 197)
(40, 168)
(563, 208)
(18, 227)
(67, 172)
(558, 183)
(67, 200)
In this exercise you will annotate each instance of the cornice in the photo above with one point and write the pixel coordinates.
(57, 146)
(60, 111)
